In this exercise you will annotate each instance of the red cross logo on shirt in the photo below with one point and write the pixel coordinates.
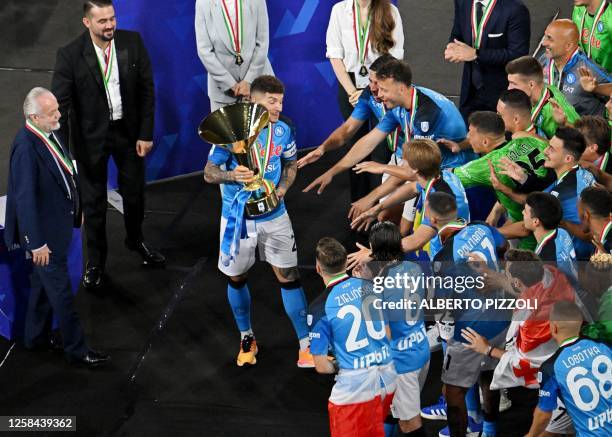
(525, 370)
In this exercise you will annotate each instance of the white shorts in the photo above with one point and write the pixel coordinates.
(276, 244)
(560, 421)
(393, 161)
(407, 401)
(409, 212)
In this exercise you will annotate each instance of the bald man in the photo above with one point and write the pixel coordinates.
(562, 63)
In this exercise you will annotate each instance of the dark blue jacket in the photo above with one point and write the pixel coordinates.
(505, 38)
(39, 208)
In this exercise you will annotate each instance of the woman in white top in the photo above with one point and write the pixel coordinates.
(359, 31)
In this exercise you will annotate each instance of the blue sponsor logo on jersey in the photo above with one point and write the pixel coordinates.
(600, 27)
(571, 78)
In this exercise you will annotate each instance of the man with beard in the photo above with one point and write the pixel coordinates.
(104, 86)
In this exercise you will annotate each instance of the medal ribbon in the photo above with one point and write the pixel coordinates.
(108, 68)
(545, 240)
(538, 108)
(53, 148)
(409, 127)
(392, 138)
(478, 28)
(600, 12)
(552, 69)
(565, 173)
(603, 161)
(336, 279)
(362, 33)
(428, 188)
(455, 225)
(605, 232)
(234, 32)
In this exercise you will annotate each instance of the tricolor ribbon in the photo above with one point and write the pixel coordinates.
(600, 12)
(361, 32)
(454, 226)
(263, 154)
(53, 148)
(393, 137)
(545, 240)
(552, 69)
(234, 30)
(605, 232)
(336, 280)
(538, 108)
(565, 173)
(428, 189)
(603, 161)
(478, 28)
(409, 125)
(107, 68)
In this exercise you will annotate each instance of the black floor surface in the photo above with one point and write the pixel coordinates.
(188, 383)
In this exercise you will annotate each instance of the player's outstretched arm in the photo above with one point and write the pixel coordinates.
(418, 239)
(358, 152)
(514, 230)
(214, 175)
(368, 201)
(540, 421)
(337, 138)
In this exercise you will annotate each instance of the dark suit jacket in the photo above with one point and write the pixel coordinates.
(77, 84)
(39, 209)
(505, 38)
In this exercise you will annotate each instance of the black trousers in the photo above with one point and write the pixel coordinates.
(361, 184)
(477, 101)
(52, 294)
(93, 178)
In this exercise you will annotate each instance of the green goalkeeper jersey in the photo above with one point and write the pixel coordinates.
(596, 33)
(528, 152)
(542, 113)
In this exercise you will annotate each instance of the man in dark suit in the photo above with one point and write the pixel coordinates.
(486, 35)
(104, 85)
(42, 208)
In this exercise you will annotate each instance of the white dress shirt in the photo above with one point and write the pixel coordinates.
(113, 94)
(340, 38)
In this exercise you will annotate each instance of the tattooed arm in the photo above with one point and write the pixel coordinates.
(214, 175)
(287, 177)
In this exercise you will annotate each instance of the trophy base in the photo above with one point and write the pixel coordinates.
(261, 201)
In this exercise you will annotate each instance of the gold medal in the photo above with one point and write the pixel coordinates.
(239, 59)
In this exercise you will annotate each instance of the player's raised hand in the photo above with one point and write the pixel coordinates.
(588, 81)
(558, 113)
(495, 182)
(364, 220)
(322, 181)
(512, 169)
(370, 167)
(450, 145)
(362, 256)
(475, 341)
(312, 156)
(359, 207)
(243, 174)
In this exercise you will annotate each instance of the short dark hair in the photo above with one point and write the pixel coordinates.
(516, 100)
(526, 66)
(525, 265)
(598, 200)
(442, 204)
(488, 122)
(397, 70)
(331, 255)
(386, 242)
(596, 130)
(268, 84)
(380, 61)
(573, 141)
(546, 208)
(90, 4)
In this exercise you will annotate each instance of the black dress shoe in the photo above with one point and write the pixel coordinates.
(90, 359)
(150, 257)
(53, 344)
(93, 277)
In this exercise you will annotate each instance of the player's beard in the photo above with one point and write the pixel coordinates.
(103, 35)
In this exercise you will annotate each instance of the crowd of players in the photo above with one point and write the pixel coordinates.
(543, 237)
